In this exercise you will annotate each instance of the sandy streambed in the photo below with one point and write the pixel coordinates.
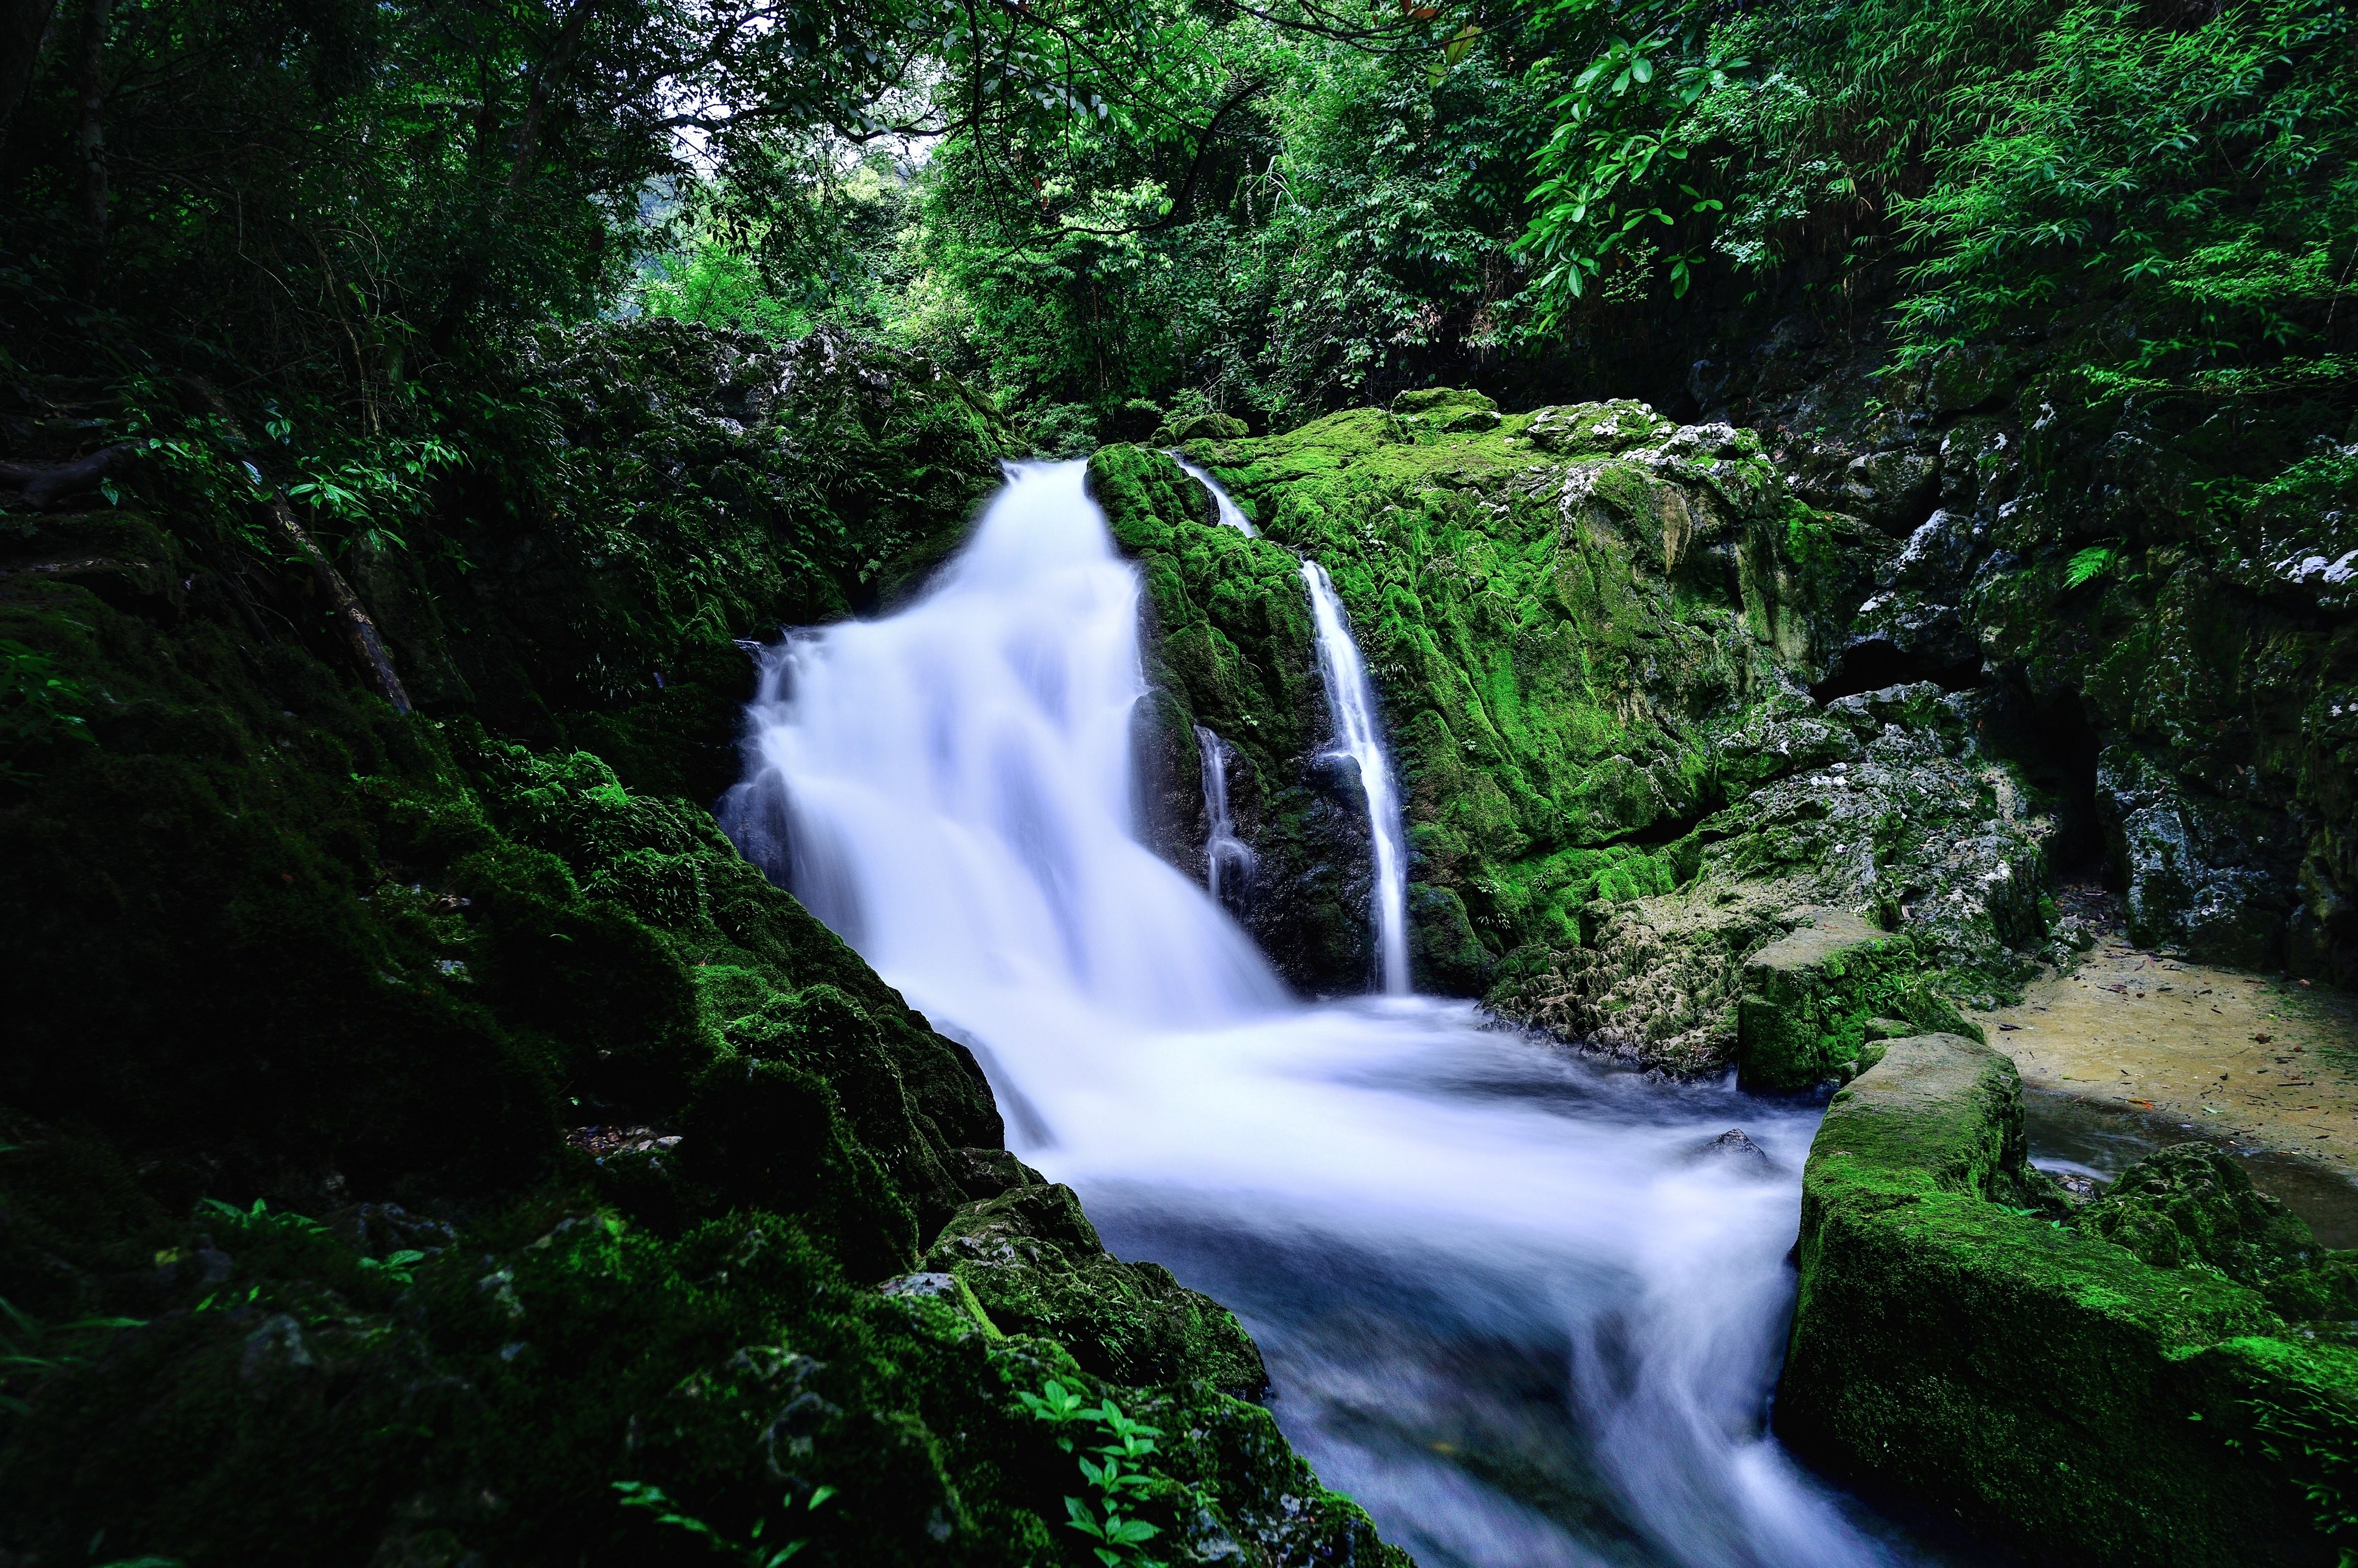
(2262, 1060)
(2156, 1049)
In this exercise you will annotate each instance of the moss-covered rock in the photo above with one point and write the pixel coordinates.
(1592, 629)
(1035, 1265)
(2193, 1204)
(1958, 1336)
(1811, 997)
(1181, 428)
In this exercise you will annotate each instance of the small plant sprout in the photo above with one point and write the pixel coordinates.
(2095, 561)
(395, 1267)
(31, 1348)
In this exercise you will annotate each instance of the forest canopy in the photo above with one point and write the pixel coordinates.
(1103, 211)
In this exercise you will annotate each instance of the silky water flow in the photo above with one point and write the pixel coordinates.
(1511, 1302)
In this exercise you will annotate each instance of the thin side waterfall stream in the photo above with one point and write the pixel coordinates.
(1512, 1302)
(1351, 700)
(1225, 856)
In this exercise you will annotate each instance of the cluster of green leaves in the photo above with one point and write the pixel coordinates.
(39, 705)
(2095, 561)
(1114, 1465)
(752, 1550)
(2312, 1448)
(365, 495)
(1621, 125)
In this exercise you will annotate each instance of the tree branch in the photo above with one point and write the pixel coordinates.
(359, 631)
(1205, 138)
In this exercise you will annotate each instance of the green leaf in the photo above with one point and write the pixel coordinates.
(2095, 561)
(1078, 1516)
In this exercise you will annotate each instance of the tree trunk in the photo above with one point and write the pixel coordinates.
(23, 25)
(544, 83)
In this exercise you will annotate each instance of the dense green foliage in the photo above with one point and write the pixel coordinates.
(2166, 188)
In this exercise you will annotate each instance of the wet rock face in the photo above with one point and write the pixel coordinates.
(1231, 648)
(2175, 579)
(2213, 879)
(1735, 1147)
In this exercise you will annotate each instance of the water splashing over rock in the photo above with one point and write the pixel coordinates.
(1500, 1299)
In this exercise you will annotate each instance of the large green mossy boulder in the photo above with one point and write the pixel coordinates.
(1956, 1338)
(1596, 429)
(1182, 428)
(1592, 629)
(1432, 400)
(1447, 410)
(1809, 999)
(1230, 650)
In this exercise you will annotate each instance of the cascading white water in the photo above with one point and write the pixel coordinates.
(1508, 1301)
(1224, 852)
(952, 787)
(1351, 704)
(1231, 515)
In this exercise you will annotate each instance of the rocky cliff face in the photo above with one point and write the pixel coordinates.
(2156, 583)
(1596, 633)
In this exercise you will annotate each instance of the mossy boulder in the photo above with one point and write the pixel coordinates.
(1231, 648)
(2193, 1204)
(1035, 1265)
(1957, 1336)
(1810, 997)
(1182, 428)
(1447, 410)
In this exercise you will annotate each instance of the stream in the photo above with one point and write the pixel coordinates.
(1527, 1310)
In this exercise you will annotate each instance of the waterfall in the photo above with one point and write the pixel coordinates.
(1351, 702)
(1508, 1298)
(952, 786)
(1231, 515)
(1222, 848)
